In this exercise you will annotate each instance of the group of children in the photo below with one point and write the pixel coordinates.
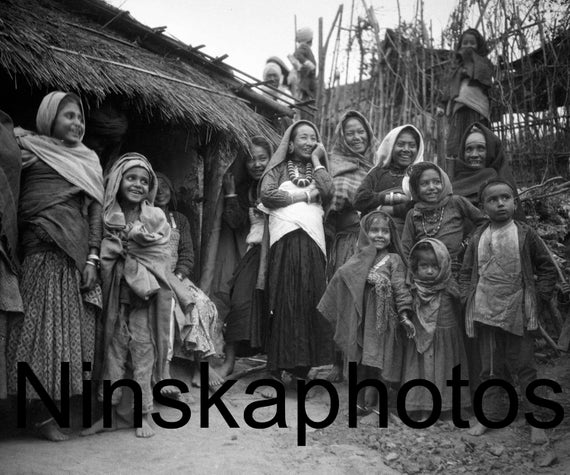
(418, 288)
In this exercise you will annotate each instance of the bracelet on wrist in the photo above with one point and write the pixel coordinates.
(93, 257)
(318, 167)
(230, 195)
(91, 263)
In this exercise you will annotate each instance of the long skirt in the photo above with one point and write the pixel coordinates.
(384, 351)
(299, 336)
(58, 324)
(244, 323)
(436, 365)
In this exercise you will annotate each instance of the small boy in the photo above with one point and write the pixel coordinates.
(498, 284)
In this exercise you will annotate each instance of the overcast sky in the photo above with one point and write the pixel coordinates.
(250, 31)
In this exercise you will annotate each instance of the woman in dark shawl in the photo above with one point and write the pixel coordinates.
(60, 227)
(294, 189)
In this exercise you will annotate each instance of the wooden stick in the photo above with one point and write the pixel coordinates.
(549, 340)
(246, 372)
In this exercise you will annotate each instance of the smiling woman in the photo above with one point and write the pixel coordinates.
(60, 243)
(382, 187)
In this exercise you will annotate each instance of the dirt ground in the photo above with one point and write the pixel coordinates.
(333, 450)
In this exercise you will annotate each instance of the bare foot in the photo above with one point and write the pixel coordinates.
(117, 423)
(538, 436)
(335, 374)
(195, 381)
(268, 392)
(50, 431)
(146, 430)
(477, 430)
(171, 391)
(214, 379)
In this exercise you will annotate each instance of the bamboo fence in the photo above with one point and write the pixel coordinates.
(402, 77)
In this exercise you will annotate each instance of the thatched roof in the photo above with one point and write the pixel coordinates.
(67, 45)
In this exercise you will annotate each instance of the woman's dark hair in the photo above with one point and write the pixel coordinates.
(495, 181)
(414, 133)
(262, 142)
(416, 173)
(300, 124)
(482, 48)
(421, 247)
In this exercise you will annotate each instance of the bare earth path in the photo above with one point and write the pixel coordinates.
(334, 450)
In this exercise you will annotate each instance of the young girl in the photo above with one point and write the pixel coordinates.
(438, 213)
(61, 196)
(438, 343)
(366, 301)
(134, 259)
(469, 86)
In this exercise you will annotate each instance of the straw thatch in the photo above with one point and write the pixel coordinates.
(64, 45)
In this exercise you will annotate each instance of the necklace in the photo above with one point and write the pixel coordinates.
(394, 173)
(434, 218)
(295, 174)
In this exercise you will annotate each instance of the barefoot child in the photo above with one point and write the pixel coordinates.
(438, 213)
(438, 344)
(507, 270)
(134, 259)
(366, 301)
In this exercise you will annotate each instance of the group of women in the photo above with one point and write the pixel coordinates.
(302, 210)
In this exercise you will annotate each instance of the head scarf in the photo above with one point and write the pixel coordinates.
(79, 165)
(282, 154)
(383, 156)
(467, 181)
(304, 35)
(415, 174)
(349, 167)
(428, 293)
(113, 216)
(284, 69)
(271, 67)
(341, 151)
(482, 48)
(172, 203)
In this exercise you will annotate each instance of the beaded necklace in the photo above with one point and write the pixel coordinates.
(295, 174)
(395, 173)
(432, 217)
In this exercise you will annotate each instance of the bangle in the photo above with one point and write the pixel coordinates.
(308, 197)
(230, 195)
(318, 168)
(93, 257)
(388, 198)
(91, 263)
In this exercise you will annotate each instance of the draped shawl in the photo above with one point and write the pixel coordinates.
(348, 167)
(143, 263)
(342, 302)
(428, 293)
(467, 180)
(51, 197)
